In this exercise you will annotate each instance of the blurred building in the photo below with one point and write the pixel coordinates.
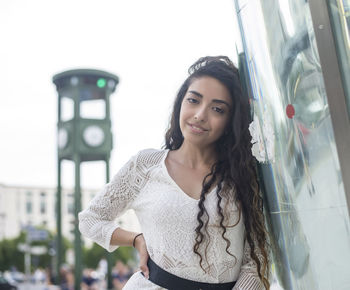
(24, 205)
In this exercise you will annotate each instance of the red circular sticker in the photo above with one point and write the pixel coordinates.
(290, 111)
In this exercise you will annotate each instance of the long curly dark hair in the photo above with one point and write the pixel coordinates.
(234, 172)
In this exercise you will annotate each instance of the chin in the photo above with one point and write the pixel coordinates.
(197, 141)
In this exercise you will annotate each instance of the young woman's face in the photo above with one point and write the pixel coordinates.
(205, 111)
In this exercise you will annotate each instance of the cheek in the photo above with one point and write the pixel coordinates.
(184, 112)
(220, 125)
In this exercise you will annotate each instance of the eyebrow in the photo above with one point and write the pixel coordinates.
(215, 100)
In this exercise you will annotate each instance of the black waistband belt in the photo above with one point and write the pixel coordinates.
(169, 281)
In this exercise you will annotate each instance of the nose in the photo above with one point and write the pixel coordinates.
(201, 114)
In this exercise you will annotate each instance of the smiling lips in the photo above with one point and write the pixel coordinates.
(197, 129)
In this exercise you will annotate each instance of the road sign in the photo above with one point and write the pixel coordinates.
(38, 250)
(34, 250)
(28, 228)
(37, 235)
(23, 247)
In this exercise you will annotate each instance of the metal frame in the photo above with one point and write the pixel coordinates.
(334, 87)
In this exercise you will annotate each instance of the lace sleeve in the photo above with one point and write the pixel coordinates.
(248, 278)
(97, 221)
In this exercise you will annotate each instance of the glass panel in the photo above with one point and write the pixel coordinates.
(67, 109)
(339, 13)
(93, 109)
(305, 198)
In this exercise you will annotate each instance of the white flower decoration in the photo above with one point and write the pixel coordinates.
(263, 139)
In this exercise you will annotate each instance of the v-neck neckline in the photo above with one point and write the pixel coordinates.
(174, 183)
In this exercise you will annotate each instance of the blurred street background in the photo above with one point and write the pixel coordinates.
(85, 85)
(148, 46)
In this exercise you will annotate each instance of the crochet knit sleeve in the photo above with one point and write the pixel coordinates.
(98, 221)
(248, 278)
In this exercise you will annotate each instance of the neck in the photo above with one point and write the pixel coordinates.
(194, 157)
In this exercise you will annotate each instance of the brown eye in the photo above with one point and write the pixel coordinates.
(192, 101)
(218, 110)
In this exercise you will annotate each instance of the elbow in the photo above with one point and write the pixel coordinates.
(96, 229)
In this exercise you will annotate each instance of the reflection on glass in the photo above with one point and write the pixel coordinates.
(308, 217)
(339, 12)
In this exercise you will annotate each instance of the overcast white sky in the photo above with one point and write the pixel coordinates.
(148, 44)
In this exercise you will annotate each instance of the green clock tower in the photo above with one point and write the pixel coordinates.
(82, 139)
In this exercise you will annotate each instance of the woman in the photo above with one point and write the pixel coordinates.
(197, 200)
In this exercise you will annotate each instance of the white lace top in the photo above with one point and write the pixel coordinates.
(168, 218)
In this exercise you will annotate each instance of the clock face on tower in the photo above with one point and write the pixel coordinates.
(93, 136)
(62, 138)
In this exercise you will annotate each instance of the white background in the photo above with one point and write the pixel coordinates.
(148, 44)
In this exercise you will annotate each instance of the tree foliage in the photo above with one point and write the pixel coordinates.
(11, 256)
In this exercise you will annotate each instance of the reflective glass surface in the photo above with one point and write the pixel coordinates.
(305, 198)
(339, 12)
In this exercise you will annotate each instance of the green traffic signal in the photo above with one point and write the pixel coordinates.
(101, 83)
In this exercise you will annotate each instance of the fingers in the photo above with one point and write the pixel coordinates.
(145, 271)
(143, 266)
(140, 245)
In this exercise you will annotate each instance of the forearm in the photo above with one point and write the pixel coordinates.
(121, 237)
